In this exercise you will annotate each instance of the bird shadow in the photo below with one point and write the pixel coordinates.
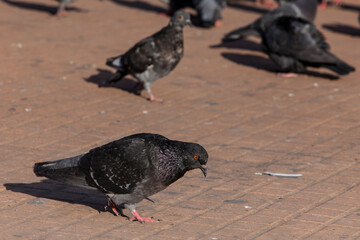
(102, 75)
(39, 7)
(343, 28)
(142, 5)
(243, 44)
(48, 189)
(247, 7)
(251, 61)
(268, 65)
(351, 7)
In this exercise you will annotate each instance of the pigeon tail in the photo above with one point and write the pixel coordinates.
(240, 33)
(115, 62)
(64, 170)
(341, 68)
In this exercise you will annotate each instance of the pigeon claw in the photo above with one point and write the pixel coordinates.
(140, 219)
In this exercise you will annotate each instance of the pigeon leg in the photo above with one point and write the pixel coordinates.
(110, 203)
(152, 97)
(140, 219)
(287, 75)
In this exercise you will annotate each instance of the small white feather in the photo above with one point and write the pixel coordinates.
(117, 62)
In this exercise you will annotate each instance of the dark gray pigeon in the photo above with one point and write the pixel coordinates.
(129, 169)
(61, 9)
(294, 44)
(153, 57)
(209, 11)
(303, 9)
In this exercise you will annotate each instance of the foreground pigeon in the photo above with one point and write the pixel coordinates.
(153, 57)
(294, 43)
(209, 11)
(303, 9)
(129, 169)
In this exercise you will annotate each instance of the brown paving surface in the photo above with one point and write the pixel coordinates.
(228, 99)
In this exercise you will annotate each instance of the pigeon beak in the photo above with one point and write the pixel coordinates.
(203, 169)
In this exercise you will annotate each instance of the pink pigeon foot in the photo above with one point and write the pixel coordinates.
(287, 75)
(154, 99)
(323, 5)
(267, 3)
(218, 23)
(61, 13)
(140, 219)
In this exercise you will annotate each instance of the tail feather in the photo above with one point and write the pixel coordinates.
(114, 62)
(341, 68)
(64, 170)
(240, 33)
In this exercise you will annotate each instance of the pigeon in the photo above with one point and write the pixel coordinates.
(295, 43)
(304, 9)
(153, 57)
(209, 11)
(128, 170)
(62, 5)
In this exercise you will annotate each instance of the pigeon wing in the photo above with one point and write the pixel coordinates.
(140, 57)
(117, 167)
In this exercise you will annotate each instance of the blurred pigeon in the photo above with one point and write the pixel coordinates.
(153, 57)
(209, 11)
(61, 9)
(129, 169)
(303, 9)
(294, 43)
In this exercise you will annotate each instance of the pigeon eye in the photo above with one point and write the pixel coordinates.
(180, 17)
(196, 157)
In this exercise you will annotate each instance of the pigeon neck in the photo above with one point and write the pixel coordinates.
(308, 8)
(176, 27)
(169, 164)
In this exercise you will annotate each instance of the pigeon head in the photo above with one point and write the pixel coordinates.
(180, 19)
(195, 156)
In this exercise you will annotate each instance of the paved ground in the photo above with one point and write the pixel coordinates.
(226, 98)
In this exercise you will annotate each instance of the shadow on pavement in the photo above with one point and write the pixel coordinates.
(343, 28)
(125, 84)
(39, 7)
(351, 7)
(241, 44)
(267, 65)
(247, 7)
(60, 192)
(142, 5)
